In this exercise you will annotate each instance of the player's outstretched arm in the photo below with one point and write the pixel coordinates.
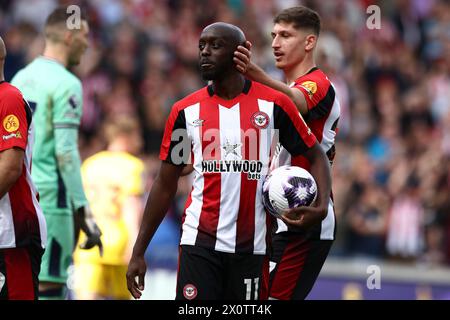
(305, 217)
(163, 191)
(242, 59)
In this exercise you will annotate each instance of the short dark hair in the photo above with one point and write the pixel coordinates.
(60, 15)
(302, 18)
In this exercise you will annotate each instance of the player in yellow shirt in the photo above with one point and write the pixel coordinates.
(113, 180)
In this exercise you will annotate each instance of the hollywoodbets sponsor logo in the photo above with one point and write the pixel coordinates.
(252, 168)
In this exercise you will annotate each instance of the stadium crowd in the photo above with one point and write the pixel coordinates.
(391, 175)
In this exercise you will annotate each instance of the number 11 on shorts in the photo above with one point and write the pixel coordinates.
(248, 284)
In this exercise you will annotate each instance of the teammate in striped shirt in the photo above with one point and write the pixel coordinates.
(55, 96)
(229, 129)
(298, 256)
(23, 232)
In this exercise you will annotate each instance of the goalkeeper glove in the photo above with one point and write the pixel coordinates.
(85, 221)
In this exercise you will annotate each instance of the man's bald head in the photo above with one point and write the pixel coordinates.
(217, 44)
(228, 31)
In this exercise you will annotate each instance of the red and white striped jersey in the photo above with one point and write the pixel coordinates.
(322, 118)
(230, 143)
(21, 218)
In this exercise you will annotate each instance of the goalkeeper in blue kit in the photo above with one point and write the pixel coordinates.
(55, 96)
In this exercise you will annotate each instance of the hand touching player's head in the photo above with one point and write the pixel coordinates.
(62, 29)
(217, 44)
(2, 58)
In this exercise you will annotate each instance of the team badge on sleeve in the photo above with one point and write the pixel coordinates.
(260, 120)
(310, 87)
(11, 123)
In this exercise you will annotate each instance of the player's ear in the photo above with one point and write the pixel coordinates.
(68, 36)
(310, 42)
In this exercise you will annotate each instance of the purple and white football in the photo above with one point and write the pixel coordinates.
(288, 187)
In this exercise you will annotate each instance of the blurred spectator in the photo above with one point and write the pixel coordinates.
(405, 235)
(367, 219)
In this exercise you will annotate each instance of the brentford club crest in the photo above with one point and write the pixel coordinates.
(260, 120)
(189, 291)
